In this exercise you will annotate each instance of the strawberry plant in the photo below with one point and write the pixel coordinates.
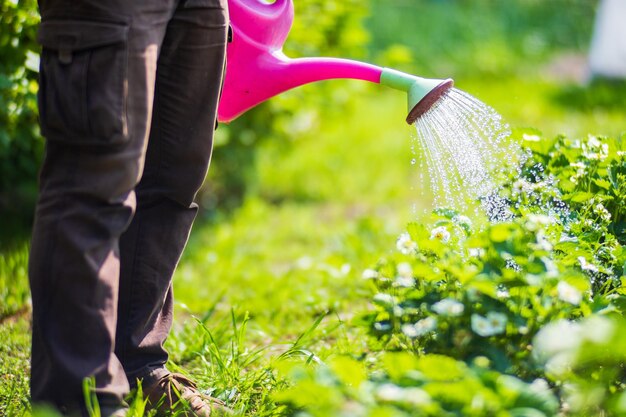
(512, 318)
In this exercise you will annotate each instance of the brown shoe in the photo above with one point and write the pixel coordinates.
(177, 395)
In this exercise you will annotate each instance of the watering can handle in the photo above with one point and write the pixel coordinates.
(258, 70)
(264, 24)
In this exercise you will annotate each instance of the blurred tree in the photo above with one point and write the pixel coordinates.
(20, 142)
(465, 38)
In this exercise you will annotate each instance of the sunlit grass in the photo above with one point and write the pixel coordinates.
(280, 278)
(14, 365)
(14, 292)
(552, 106)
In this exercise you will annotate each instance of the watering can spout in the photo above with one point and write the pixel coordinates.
(422, 93)
(257, 69)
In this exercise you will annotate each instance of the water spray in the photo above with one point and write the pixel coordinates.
(257, 69)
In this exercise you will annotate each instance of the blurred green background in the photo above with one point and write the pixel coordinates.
(526, 58)
(309, 189)
(334, 157)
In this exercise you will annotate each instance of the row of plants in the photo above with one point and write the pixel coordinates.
(517, 318)
(521, 318)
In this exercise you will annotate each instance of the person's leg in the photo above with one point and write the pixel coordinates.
(97, 82)
(189, 77)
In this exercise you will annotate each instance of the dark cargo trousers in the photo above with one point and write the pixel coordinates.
(128, 97)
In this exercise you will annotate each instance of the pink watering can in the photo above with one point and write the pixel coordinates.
(257, 69)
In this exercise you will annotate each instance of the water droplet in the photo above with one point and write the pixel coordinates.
(466, 147)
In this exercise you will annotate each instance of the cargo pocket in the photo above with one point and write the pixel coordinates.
(83, 82)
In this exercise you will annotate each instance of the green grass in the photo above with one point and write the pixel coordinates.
(294, 251)
(278, 280)
(14, 365)
(14, 291)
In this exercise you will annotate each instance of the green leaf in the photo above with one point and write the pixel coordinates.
(602, 183)
(500, 233)
(440, 368)
(398, 364)
(446, 212)
(349, 371)
(487, 287)
(579, 197)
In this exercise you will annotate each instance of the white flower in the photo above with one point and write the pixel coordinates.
(448, 307)
(598, 329)
(602, 212)
(604, 150)
(440, 233)
(581, 168)
(416, 396)
(568, 293)
(370, 274)
(405, 244)
(305, 262)
(556, 344)
(557, 337)
(425, 325)
(531, 138)
(384, 300)
(498, 321)
(541, 219)
(390, 393)
(593, 142)
(462, 221)
(540, 385)
(409, 330)
(538, 221)
(395, 394)
(552, 270)
(405, 275)
(502, 293)
(476, 252)
(542, 242)
(523, 186)
(404, 282)
(594, 149)
(481, 326)
(494, 323)
(586, 266)
(382, 326)
(405, 270)
(519, 186)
